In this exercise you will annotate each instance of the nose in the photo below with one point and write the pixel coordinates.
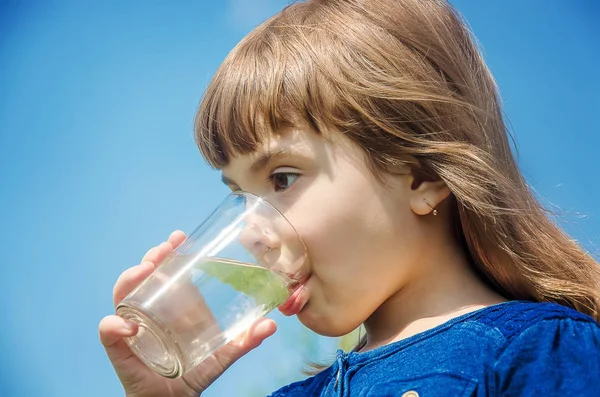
(258, 236)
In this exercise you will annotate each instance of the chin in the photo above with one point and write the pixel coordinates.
(323, 324)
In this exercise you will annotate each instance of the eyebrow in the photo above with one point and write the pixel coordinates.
(260, 163)
(266, 158)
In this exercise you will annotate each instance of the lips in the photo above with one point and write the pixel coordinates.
(296, 301)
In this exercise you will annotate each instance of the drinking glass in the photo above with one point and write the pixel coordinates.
(239, 264)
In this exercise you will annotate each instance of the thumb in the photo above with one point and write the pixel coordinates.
(209, 370)
(259, 331)
(251, 339)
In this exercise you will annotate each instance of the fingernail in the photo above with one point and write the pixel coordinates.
(129, 326)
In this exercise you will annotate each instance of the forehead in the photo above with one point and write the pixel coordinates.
(290, 141)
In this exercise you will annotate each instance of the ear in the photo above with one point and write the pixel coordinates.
(426, 192)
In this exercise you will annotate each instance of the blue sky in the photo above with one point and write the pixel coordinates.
(98, 163)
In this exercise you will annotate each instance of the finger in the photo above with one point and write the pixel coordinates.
(176, 238)
(130, 279)
(208, 371)
(133, 276)
(258, 332)
(251, 339)
(158, 253)
(114, 328)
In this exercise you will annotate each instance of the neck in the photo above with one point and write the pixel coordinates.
(445, 289)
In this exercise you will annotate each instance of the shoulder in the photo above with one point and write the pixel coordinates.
(309, 387)
(548, 348)
(512, 319)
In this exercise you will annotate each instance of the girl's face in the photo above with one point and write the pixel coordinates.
(363, 238)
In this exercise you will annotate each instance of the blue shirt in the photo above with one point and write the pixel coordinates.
(516, 348)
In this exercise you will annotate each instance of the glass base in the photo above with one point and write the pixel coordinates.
(154, 344)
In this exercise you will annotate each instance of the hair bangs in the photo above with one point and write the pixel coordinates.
(267, 83)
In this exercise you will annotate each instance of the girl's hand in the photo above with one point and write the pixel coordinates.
(137, 379)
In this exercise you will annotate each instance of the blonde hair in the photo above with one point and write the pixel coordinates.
(405, 81)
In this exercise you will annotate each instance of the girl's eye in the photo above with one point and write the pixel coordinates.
(283, 180)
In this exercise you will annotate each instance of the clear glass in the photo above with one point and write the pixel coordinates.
(238, 265)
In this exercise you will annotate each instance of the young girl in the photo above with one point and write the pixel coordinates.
(375, 127)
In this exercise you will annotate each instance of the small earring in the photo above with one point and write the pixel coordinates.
(435, 212)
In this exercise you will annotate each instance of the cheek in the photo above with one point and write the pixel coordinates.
(356, 235)
(346, 244)
(331, 234)
(346, 235)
